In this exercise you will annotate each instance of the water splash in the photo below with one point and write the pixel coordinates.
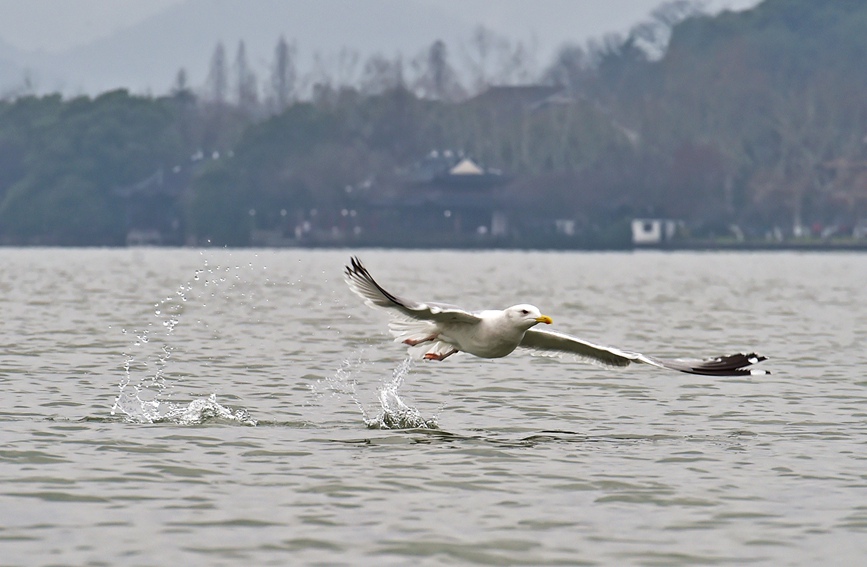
(198, 411)
(394, 413)
(342, 384)
(390, 411)
(146, 388)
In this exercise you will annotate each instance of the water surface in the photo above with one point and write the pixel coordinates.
(243, 407)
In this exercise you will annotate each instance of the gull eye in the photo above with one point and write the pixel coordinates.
(524, 312)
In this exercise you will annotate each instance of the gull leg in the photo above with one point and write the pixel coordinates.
(412, 342)
(433, 356)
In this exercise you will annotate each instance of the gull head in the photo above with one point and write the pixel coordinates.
(526, 315)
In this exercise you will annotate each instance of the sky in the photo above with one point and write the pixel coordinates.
(91, 46)
(57, 25)
(54, 26)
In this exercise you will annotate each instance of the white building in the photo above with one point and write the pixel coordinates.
(653, 231)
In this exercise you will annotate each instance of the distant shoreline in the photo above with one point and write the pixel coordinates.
(791, 245)
(675, 246)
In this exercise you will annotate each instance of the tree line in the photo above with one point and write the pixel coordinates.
(753, 119)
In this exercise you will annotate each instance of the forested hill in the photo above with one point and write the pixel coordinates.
(785, 44)
(756, 119)
(772, 98)
(789, 39)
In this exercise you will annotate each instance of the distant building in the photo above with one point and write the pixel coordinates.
(446, 192)
(653, 231)
(448, 169)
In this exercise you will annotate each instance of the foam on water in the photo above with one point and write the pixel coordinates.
(198, 411)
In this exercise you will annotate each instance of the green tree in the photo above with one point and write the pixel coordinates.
(71, 158)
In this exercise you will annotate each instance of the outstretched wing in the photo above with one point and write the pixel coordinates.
(362, 284)
(729, 365)
(552, 341)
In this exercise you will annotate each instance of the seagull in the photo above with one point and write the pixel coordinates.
(439, 330)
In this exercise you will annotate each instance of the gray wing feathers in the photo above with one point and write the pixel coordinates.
(541, 340)
(729, 365)
(362, 283)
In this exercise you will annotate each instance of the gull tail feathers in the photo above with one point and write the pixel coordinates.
(421, 339)
(411, 331)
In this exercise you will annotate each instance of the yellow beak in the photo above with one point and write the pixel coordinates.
(544, 319)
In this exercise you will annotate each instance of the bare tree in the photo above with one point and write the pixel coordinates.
(27, 86)
(570, 68)
(480, 54)
(334, 72)
(381, 74)
(516, 63)
(807, 125)
(440, 72)
(653, 35)
(493, 59)
(435, 77)
(181, 83)
(346, 67)
(216, 86)
(246, 88)
(284, 75)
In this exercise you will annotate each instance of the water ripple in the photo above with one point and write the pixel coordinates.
(264, 416)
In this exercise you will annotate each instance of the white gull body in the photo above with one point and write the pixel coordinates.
(437, 331)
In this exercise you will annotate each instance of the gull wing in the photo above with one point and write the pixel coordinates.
(552, 341)
(729, 365)
(362, 284)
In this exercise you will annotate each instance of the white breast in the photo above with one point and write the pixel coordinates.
(493, 337)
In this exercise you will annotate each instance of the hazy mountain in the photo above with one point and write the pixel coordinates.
(147, 56)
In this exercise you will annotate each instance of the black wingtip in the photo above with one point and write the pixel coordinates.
(355, 267)
(729, 365)
(356, 272)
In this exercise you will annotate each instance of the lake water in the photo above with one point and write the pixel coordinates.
(186, 407)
